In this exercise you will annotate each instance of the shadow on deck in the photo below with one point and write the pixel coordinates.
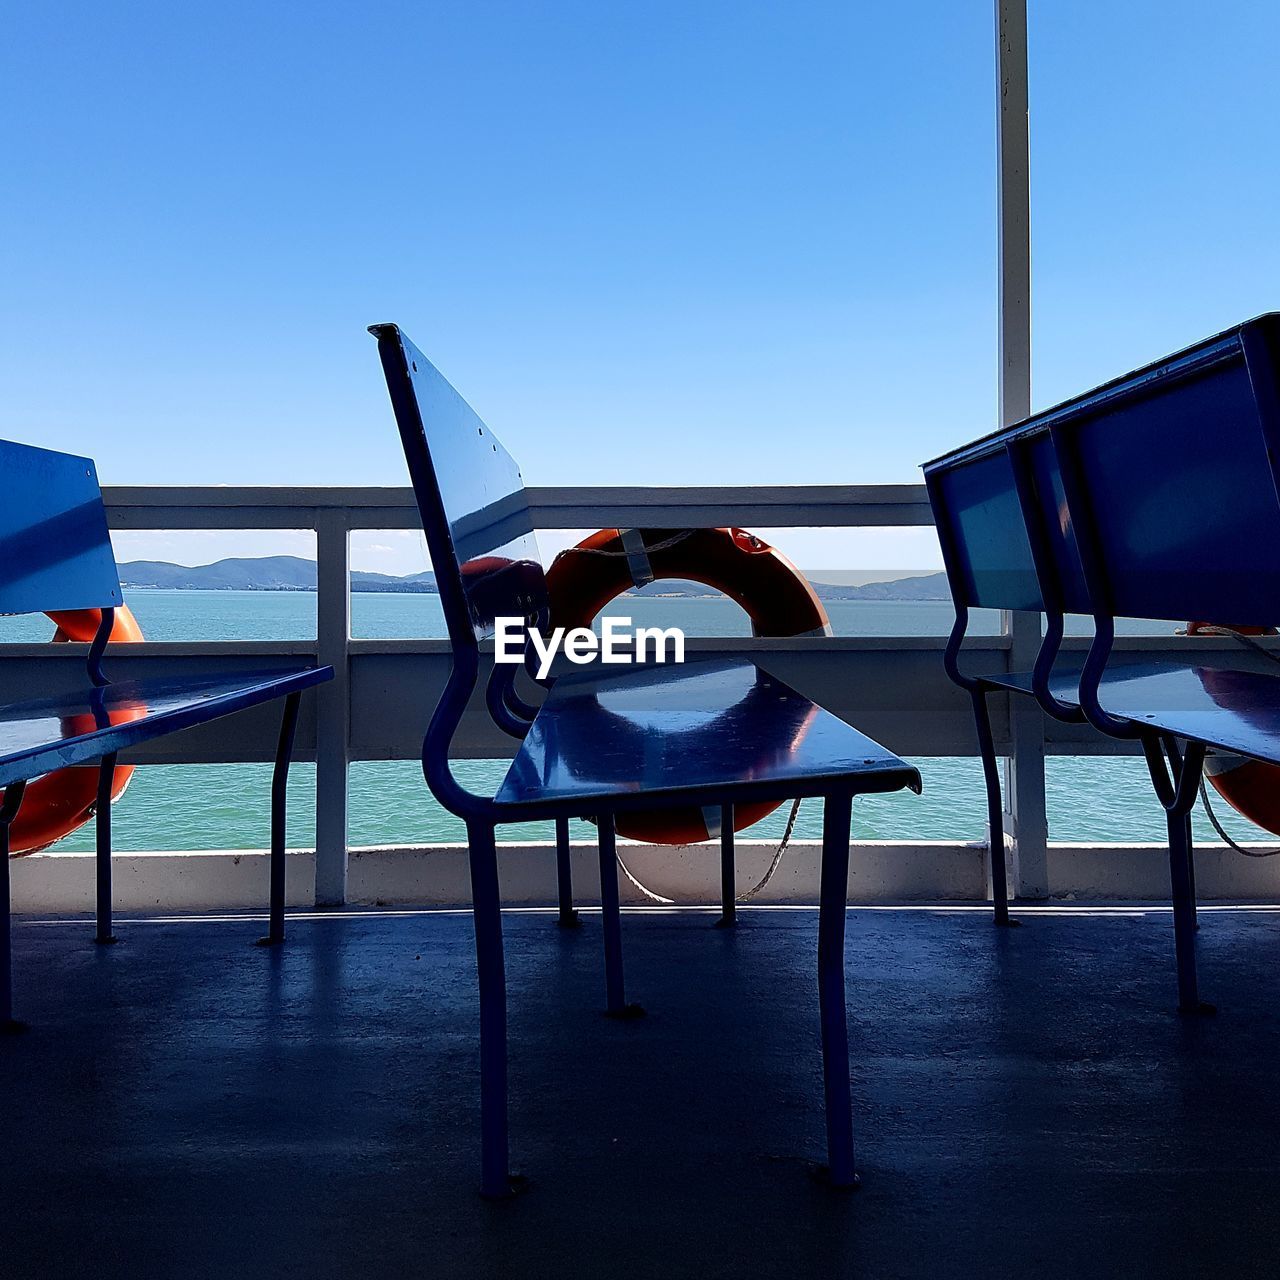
(1026, 1101)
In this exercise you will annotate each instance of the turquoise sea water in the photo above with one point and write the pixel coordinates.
(225, 806)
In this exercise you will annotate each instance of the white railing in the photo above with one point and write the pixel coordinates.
(378, 704)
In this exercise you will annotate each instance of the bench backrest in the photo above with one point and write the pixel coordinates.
(470, 495)
(1150, 497)
(983, 527)
(55, 549)
(1171, 486)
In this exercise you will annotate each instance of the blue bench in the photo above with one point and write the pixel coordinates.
(1152, 497)
(704, 733)
(57, 557)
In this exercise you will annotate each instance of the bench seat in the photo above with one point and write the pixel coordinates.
(1225, 707)
(653, 736)
(39, 735)
(1231, 706)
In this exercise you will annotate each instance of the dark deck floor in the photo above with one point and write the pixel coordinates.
(1027, 1102)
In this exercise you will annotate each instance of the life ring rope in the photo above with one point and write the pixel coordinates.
(1225, 835)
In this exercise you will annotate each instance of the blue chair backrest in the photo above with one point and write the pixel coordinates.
(470, 495)
(1170, 482)
(55, 549)
(984, 524)
(985, 545)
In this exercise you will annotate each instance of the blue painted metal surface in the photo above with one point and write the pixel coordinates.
(470, 495)
(57, 557)
(833, 894)
(1234, 710)
(615, 987)
(651, 738)
(598, 746)
(987, 555)
(1152, 496)
(55, 550)
(1175, 460)
(102, 833)
(44, 734)
(1174, 502)
(1155, 497)
(568, 918)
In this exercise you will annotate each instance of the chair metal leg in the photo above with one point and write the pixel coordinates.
(1176, 775)
(1184, 914)
(728, 872)
(279, 820)
(8, 811)
(832, 909)
(1191, 872)
(995, 807)
(568, 918)
(616, 1005)
(496, 1180)
(103, 934)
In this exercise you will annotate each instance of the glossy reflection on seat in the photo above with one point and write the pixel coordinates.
(76, 728)
(649, 735)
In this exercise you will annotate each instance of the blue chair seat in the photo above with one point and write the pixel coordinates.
(1232, 706)
(1063, 684)
(42, 734)
(651, 737)
(1228, 707)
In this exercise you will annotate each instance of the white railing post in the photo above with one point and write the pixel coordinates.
(1024, 782)
(333, 705)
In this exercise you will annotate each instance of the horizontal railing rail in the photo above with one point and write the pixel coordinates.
(365, 507)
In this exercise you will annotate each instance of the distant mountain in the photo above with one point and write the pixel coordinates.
(929, 586)
(262, 573)
(292, 573)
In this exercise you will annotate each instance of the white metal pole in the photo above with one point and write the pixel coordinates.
(1025, 782)
(1014, 176)
(333, 700)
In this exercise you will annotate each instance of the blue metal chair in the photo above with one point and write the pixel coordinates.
(705, 733)
(1151, 497)
(997, 550)
(57, 557)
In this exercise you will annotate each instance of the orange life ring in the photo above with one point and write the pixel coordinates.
(59, 803)
(1250, 787)
(774, 593)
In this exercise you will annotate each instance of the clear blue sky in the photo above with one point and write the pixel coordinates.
(686, 242)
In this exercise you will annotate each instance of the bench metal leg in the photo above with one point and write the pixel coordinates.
(279, 820)
(1191, 872)
(995, 807)
(616, 1005)
(496, 1181)
(103, 934)
(8, 811)
(728, 872)
(569, 918)
(1175, 775)
(1184, 914)
(832, 910)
